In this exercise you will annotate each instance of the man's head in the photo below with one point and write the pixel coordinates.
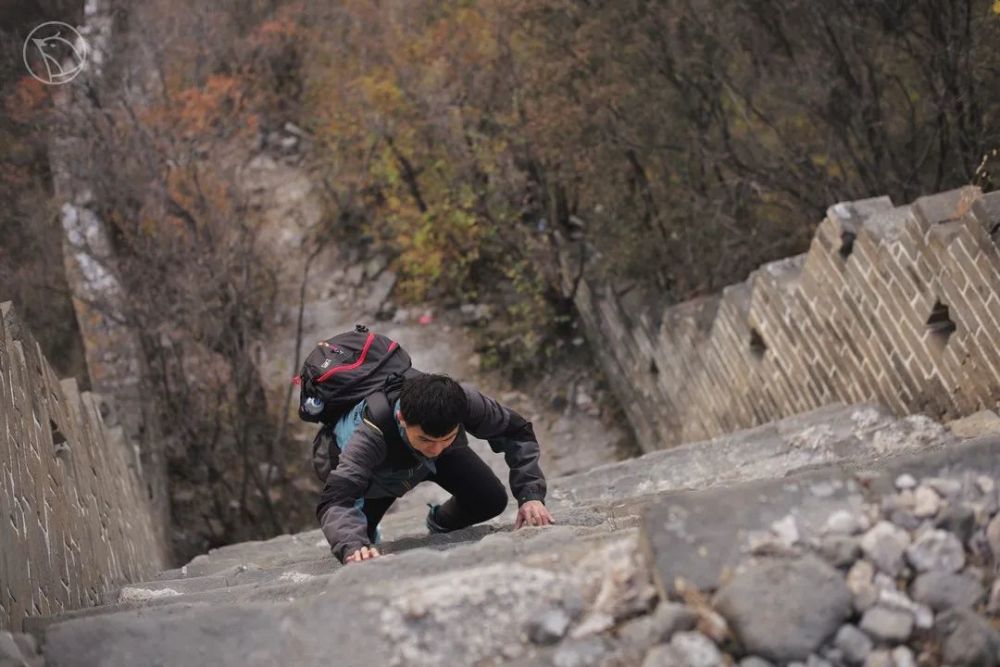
(431, 407)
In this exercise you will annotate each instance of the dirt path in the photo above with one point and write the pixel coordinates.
(339, 295)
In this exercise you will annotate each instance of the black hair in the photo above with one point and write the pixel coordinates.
(435, 403)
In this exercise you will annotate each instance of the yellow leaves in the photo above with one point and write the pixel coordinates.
(996, 7)
(381, 91)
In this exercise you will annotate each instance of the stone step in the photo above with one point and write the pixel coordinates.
(828, 434)
(263, 571)
(419, 607)
(291, 590)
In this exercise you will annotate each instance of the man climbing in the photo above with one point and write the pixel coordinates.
(431, 416)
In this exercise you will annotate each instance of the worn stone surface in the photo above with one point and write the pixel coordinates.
(577, 593)
(766, 599)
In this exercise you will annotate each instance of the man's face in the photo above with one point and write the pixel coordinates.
(428, 445)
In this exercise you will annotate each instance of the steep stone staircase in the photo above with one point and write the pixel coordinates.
(624, 578)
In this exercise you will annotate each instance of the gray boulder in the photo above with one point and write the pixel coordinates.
(696, 650)
(667, 619)
(663, 655)
(957, 519)
(853, 644)
(754, 661)
(763, 601)
(967, 639)
(936, 550)
(887, 624)
(548, 626)
(884, 544)
(840, 550)
(946, 590)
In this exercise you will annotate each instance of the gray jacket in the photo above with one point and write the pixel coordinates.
(369, 468)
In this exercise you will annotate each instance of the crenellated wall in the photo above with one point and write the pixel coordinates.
(75, 517)
(898, 305)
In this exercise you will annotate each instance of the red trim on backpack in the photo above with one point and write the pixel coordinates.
(349, 367)
(392, 346)
(297, 380)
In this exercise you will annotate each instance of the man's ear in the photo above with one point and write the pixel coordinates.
(399, 418)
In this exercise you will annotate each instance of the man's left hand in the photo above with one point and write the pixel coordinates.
(533, 513)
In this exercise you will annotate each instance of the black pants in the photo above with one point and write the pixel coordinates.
(476, 493)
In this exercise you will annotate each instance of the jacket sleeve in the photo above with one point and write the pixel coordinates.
(512, 435)
(339, 512)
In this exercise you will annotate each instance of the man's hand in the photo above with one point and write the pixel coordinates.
(364, 553)
(533, 513)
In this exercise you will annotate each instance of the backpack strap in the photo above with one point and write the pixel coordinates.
(380, 411)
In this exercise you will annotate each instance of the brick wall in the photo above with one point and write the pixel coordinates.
(74, 515)
(898, 305)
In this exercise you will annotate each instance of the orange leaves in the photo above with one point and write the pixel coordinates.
(210, 106)
(26, 99)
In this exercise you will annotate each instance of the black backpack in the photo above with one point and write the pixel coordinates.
(341, 372)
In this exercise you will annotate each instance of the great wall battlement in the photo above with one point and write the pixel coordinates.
(75, 519)
(894, 305)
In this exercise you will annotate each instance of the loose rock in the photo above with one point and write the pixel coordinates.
(548, 627)
(580, 653)
(957, 519)
(840, 550)
(993, 537)
(946, 488)
(847, 523)
(667, 619)
(886, 624)
(946, 590)
(859, 581)
(696, 650)
(884, 544)
(762, 602)
(967, 639)
(902, 656)
(854, 644)
(880, 658)
(662, 655)
(993, 604)
(927, 502)
(754, 661)
(936, 550)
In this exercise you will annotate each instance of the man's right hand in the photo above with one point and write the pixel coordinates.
(364, 553)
